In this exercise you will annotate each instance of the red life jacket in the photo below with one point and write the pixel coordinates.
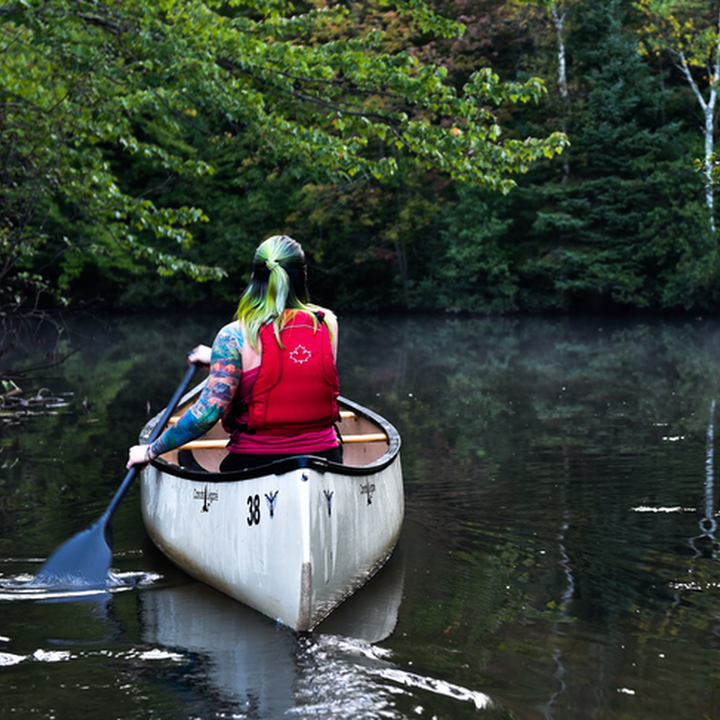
(297, 387)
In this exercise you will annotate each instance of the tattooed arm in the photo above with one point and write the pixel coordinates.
(223, 381)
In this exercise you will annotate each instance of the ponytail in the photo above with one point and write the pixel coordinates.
(278, 283)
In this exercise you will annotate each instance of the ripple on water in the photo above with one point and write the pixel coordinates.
(23, 587)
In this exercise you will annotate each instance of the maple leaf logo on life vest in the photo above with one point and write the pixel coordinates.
(300, 355)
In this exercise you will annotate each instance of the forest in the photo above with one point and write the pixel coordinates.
(456, 156)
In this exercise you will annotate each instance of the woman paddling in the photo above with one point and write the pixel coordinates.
(273, 379)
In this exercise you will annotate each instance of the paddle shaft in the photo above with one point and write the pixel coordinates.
(154, 435)
(84, 560)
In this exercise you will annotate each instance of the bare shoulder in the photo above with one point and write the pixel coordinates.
(250, 356)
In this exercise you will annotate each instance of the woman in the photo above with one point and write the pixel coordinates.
(273, 379)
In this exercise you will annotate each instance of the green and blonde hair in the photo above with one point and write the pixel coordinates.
(278, 283)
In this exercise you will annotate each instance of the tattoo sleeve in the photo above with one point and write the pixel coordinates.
(223, 381)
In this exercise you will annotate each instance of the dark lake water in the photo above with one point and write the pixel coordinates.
(558, 559)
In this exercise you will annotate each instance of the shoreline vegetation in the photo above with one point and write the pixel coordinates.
(479, 157)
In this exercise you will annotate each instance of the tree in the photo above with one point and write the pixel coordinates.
(89, 87)
(558, 11)
(689, 30)
(627, 227)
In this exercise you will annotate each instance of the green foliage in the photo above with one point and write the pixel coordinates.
(144, 144)
(92, 89)
(688, 28)
(618, 231)
(66, 96)
(474, 270)
(689, 32)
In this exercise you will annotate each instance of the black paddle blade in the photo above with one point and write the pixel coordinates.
(83, 562)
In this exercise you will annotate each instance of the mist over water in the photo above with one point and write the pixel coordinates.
(559, 557)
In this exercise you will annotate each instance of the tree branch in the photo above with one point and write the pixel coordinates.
(682, 65)
(232, 67)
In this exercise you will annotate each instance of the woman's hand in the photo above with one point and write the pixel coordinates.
(139, 455)
(200, 355)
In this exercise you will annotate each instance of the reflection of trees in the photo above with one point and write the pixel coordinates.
(516, 428)
(483, 386)
(527, 442)
(63, 468)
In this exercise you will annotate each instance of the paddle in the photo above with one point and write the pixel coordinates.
(83, 562)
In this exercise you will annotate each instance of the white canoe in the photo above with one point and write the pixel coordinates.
(291, 539)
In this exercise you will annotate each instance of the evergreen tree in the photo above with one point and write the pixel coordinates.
(625, 228)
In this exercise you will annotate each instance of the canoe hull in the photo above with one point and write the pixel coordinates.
(292, 543)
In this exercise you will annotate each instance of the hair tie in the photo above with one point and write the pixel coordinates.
(271, 264)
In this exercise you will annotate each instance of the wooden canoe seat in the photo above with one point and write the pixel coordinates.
(344, 415)
(219, 444)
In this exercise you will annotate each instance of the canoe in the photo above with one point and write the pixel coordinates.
(291, 539)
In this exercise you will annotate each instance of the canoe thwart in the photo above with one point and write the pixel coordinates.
(344, 415)
(211, 444)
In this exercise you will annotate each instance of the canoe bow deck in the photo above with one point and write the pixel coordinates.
(291, 539)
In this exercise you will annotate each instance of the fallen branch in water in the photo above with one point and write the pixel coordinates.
(14, 407)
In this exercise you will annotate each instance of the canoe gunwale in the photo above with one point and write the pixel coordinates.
(279, 467)
(333, 528)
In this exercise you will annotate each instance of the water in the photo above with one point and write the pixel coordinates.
(559, 556)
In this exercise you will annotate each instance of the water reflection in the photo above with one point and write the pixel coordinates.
(240, 660)
(705, 544)
(260, 669)
(560, 538)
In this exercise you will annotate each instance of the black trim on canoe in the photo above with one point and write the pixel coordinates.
(292, 463)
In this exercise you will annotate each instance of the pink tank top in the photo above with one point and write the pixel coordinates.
(255, 444)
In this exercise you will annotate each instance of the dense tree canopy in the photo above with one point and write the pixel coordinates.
(413, 147)
(167, 90)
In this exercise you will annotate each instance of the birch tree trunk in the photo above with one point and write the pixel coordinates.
(692, 39)
(559, 21)
(708, 108)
